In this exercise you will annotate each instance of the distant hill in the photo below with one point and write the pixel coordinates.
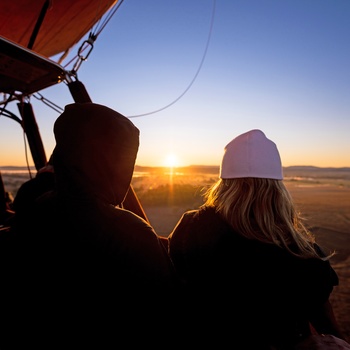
(291, 171)
(312, 171)
(15, 168)
(192, 169)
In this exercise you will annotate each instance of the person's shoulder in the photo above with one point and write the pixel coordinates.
(208, 219)
(125, 214)
(124, 219)
(202, 213)
(203, 226)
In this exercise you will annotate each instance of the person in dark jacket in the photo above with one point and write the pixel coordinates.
(88, 269)
(254, 274)
(30, 190)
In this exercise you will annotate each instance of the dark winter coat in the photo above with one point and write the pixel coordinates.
(243, 289)
(88, 270)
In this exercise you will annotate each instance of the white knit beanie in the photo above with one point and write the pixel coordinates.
(251, 154)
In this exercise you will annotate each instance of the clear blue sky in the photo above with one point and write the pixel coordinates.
(282, 66)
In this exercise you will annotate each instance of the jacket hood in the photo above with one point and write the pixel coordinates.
(95, 153)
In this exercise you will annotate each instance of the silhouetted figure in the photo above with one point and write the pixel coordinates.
(91, 272)
(30, 190)
(255, 275)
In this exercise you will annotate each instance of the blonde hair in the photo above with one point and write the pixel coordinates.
(263, 210)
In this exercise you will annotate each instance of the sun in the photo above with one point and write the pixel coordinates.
(171, 160)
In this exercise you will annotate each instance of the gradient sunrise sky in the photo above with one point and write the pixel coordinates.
(192, 75)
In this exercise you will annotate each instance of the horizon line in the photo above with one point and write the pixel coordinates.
(193, 165)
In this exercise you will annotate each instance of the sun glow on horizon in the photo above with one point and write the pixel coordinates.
(171, 160)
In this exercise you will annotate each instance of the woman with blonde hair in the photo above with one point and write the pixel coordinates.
(252, 269)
